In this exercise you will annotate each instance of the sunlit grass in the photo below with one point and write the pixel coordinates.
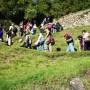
(27, 69)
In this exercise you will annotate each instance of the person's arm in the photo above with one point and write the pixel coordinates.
(68, 40)
(10, 28)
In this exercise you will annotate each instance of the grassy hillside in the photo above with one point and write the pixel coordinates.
(25, 69)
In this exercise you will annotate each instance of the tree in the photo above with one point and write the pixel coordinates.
(19, 9)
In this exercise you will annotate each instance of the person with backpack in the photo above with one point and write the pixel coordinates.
(70, 42)
(49, 40)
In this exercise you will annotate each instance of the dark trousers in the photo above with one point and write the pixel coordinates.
(87, 45)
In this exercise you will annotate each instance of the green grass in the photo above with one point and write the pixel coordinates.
(25, 69)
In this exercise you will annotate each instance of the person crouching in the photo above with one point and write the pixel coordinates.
(39, 44)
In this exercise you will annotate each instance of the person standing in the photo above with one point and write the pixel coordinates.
(49, 40)
(27, 40)
(9, 38)
(27, 36)
(70, 43)
(86, 40)
(80, 43)
(1, 33)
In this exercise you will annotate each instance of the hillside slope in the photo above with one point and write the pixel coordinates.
(26, 69)
(76, 19)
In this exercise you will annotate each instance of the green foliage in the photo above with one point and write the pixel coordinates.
(30, 12)
(6, 24)
(56, 8)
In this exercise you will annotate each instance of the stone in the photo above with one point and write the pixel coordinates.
(76, 84)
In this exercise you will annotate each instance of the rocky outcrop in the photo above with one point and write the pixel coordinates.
(76, 19)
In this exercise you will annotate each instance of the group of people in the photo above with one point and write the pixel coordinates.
(45, 38)
(83, 42)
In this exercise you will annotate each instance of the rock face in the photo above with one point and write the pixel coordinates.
(76, 84)
(76, 19)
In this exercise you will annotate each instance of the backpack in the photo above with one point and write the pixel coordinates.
(15, 30)
(50, 40)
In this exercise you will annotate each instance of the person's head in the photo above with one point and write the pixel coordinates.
(84, 31)
(66, 34)
(79, 37)
(12, 24)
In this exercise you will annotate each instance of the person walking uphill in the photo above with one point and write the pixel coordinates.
(70, 42)
(27, 37)
(80, 43)
(9, 38)
(49, 40)
(86, 40)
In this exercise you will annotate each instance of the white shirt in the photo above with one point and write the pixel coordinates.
(86, 36)
(11, 28)
(40, 38)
